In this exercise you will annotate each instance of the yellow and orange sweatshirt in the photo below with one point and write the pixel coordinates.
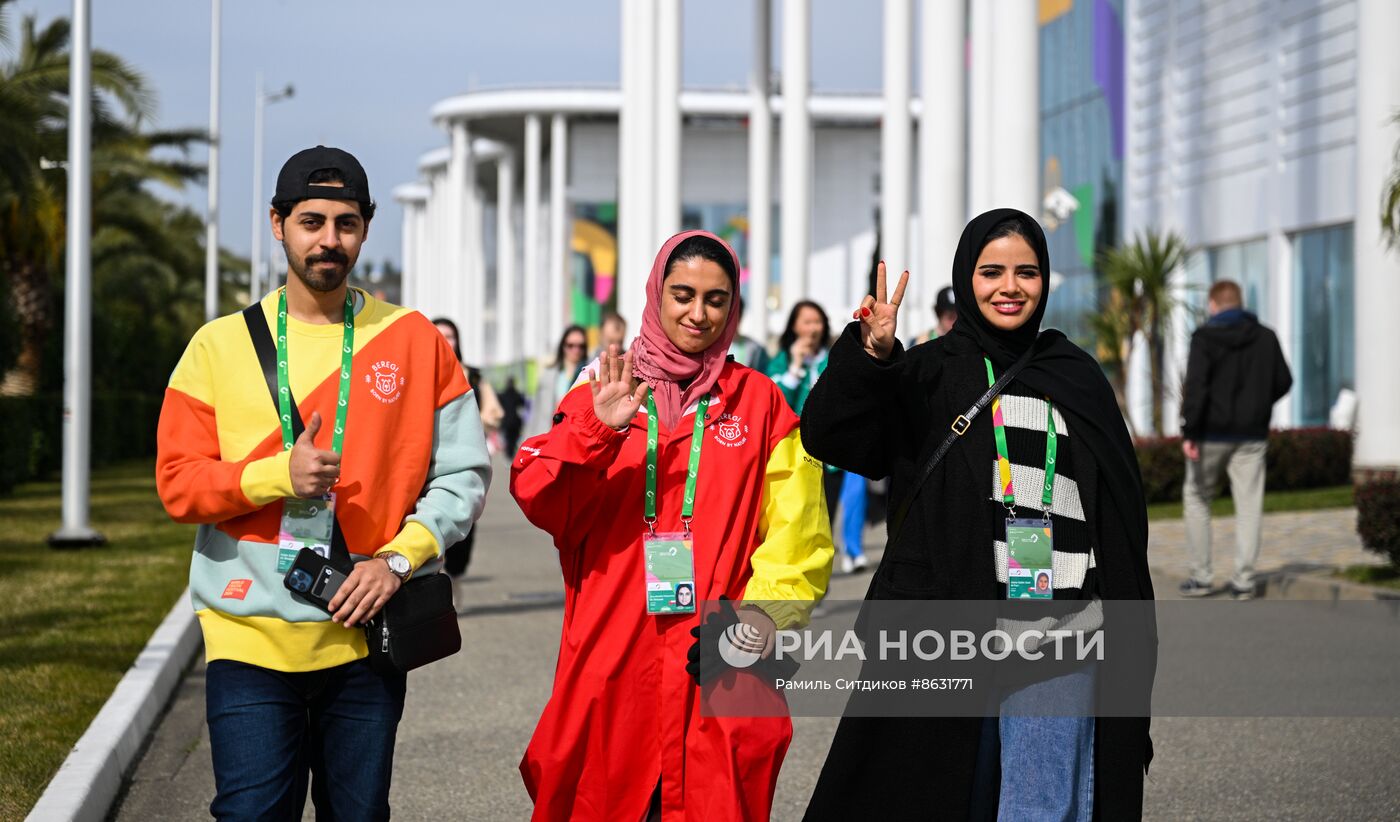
(414, 471)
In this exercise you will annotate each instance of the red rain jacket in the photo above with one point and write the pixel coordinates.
(624, 713)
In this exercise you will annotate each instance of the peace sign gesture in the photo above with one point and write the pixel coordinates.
(615, 398)
(878, 315)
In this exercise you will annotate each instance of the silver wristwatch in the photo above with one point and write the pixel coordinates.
(398, 565)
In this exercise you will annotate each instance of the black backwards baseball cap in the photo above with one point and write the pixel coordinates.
(293, 181)
(944, 301)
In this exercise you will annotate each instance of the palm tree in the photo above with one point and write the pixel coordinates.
(1139, 277)
(33, 136)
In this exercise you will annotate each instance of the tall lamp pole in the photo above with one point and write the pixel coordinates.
(211, 225)
(77, 341)
(255, 261)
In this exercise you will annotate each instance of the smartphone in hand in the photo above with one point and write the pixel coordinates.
(314, 579)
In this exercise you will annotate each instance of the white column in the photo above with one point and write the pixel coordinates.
(535, 326)
(942, 157)
(897, 150)
(430, 283)
(408, 265)
(452, 267)
(472, 281)
(423, 277)
(561, 225)
(980, 107)
(797, 152)
(1005, 106)
(1376, 268)
(667, 219)
(754, 323)
(636, 156)
(507, 301)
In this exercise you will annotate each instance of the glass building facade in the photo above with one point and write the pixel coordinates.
(1081, 147)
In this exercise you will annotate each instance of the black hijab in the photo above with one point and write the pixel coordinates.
(1058, 369)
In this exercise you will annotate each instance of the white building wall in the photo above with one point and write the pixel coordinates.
(714, 172)
(1240, 126)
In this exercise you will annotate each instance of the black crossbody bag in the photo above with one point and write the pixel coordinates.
(959, 427)
(418, 624)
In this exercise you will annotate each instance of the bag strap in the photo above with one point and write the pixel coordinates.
(267, 358)
(959, 427)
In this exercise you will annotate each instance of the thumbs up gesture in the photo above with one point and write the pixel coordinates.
(313, 471)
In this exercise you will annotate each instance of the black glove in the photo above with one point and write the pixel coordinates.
(706, 662)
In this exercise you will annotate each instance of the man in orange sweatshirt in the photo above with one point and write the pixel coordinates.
(392, 444)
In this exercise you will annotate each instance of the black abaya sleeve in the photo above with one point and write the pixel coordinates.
(853, 414)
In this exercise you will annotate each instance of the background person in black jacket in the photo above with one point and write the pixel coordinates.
(1234, 375)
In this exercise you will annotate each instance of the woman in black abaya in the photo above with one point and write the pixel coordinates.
(882, 411)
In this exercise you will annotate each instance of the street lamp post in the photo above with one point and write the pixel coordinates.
(77, 341)
(211, 226)
(255, 262)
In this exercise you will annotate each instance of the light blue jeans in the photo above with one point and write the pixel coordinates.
(1047, 762)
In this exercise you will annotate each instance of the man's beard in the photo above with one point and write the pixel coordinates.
(320, 279)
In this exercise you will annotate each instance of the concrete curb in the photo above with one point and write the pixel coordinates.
(91, 776)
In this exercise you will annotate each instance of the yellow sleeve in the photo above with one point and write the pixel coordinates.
(792, 565)
(269, 479)
(415, 542)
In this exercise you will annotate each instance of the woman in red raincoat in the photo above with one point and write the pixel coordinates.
(623, 736)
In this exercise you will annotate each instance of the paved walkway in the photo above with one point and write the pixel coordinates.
(1291, 541)
(469, 717)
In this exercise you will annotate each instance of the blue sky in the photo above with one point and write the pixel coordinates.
(366, 72)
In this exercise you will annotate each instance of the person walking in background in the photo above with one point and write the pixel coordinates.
(1235, 372)
(486, 400)
(945, 310)
(555, 381)
(288, 687)
(459, 555)
(512, 417)
(1053, 446)
(750, 352)
(612, 331)
(693, 441)
(801, 358)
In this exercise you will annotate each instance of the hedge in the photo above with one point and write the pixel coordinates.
(123, 427)
(1297, 458)
(1378, 516)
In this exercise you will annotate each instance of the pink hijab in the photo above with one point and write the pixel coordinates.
(659, 362)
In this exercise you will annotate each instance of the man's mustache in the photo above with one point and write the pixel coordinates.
(328, 256)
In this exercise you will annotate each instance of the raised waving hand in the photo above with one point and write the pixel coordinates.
(878, 315)
(615, 398)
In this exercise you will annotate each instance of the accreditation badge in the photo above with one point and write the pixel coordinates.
(1030, 546)
(670, 573)
(306, 523)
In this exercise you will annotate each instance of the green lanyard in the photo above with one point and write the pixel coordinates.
(697, 437)
(1008, 493)
(284, 392)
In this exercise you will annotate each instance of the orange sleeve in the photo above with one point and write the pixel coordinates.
(194, 484)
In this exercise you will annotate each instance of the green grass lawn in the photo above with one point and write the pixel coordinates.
(73, 621)
(1386, 576)
(1310, 499)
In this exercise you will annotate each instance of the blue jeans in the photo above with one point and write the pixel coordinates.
(1046, 762)
(269, 730)
(853, 503)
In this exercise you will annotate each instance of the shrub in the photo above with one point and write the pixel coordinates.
(1378, 516)
(123, 428)
(1298, 458)
(17, 444)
